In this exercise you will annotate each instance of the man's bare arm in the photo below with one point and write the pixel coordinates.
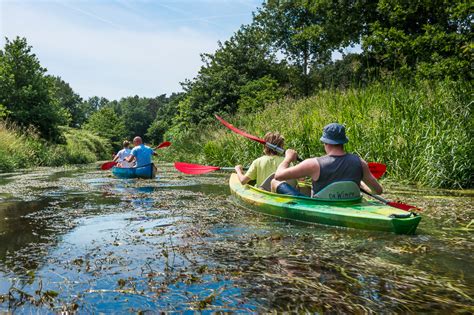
(307, 168)
(369, 181)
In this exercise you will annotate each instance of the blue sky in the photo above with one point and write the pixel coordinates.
(123, 47)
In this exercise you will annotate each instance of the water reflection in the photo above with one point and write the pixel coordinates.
(16, 230)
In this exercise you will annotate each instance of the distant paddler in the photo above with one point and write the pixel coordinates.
(122, 155)
(141, 154)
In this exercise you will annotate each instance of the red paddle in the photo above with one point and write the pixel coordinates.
(163, 145)
(196, 169)
(398, 205)
(251, 137)
(377, 169)
(110, 164)
(240, 132)
(107, 165)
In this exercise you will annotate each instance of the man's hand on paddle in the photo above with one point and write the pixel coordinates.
(290, 155)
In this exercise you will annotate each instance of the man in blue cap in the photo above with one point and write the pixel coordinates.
(336, 165)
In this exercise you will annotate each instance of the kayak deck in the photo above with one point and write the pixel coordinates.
(360, 214)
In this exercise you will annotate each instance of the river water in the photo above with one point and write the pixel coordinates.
(78, 239)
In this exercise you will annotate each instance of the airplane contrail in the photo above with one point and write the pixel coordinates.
(95, 16)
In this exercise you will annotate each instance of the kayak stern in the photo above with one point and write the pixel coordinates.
(146, 171)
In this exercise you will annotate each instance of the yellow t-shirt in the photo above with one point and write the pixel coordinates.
(263, 167)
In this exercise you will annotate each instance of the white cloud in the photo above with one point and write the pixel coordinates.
(98, 58)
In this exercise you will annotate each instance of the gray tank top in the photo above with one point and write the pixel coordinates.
(346, 167)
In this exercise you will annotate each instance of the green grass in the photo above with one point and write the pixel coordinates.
(21, 149)
(423, 131)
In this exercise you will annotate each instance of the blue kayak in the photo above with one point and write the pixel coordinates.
(146, 171)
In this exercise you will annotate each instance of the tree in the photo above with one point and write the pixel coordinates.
(107, 124)
(157, 130)
(344, 73)
(243, 58)
(27, 93)
(70, 101)
(94, 104)
(135, 115)
(155, 104)
(431, 38)
(293, 29)
(164, 115)
(3, 111)
(257, 93)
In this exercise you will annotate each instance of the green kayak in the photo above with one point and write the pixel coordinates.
(359, 213)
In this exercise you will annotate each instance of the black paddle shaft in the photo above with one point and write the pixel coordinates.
(280, 150)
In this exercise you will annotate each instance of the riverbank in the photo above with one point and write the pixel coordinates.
(421, 131)
(23, 149)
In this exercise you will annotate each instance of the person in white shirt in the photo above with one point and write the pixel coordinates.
(121, 156)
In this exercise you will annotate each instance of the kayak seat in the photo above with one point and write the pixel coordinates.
(343, 190)
(267, 183)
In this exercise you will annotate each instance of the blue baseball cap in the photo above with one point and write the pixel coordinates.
(334, 134)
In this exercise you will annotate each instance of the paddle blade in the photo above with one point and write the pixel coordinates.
(240, 132)
(164, 145)
(402, 206)
(377, 169)
(107, 165)
(194, 169)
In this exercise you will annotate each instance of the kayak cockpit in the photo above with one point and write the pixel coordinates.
(338, 191)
